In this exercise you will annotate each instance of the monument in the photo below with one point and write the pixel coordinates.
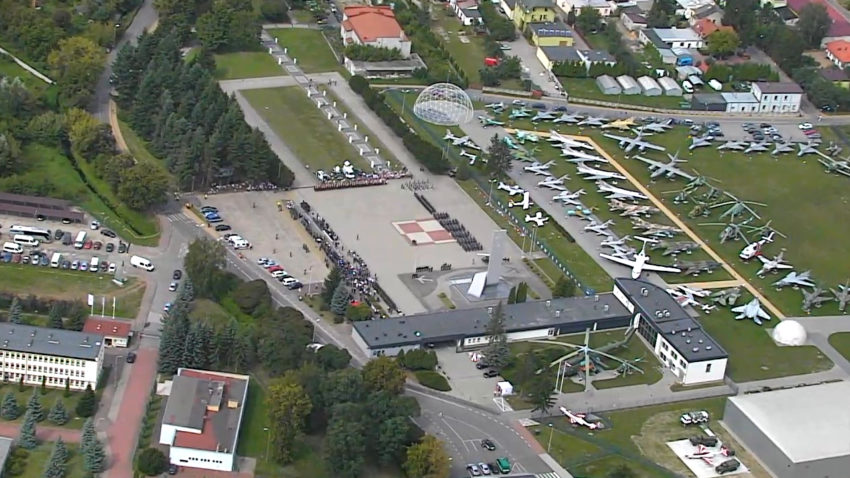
(490, 277)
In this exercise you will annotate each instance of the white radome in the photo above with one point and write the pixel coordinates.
(443, 104)
(789, 332)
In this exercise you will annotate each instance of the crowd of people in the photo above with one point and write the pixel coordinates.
(237, 187)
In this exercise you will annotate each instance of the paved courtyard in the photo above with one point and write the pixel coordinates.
(467, 381)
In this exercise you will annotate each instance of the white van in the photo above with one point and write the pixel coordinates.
(13, 248)
(80, 241)
(95, 264)
(687, 86)
(56, 260)
(715, 85)
(141, 262)
(26, 240)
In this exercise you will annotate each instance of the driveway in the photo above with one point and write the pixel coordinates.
(537, 73)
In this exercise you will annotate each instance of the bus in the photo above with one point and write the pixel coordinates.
(80, 241)
(36, 232)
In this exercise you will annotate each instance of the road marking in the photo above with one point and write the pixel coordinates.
(721, 284)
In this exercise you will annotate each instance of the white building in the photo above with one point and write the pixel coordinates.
(780, 97)
(671, 38)
(50, 355)
(740, 102)
(649, 86)
(373, 26)
(507, 7)
(671, 88)
(469, 16)
(688, 8)
(202, 418)
(604, 7)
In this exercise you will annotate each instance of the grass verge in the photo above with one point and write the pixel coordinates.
(841, 343)
(246, 64)
(308, 47)
(40, 456)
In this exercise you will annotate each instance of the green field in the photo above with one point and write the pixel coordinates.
(47, 282)
(469, 55)
(586, 88)
(308, 47)
(303, 128)
(246, 64)
(841, 343)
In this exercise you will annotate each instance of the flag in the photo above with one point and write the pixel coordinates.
(90, 300)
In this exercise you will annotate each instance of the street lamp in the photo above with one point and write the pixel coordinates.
(551, 430)
(269, 439)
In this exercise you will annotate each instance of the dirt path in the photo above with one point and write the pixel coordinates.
(116, 128)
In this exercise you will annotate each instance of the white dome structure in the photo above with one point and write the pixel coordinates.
(443, 104)
(789, 332)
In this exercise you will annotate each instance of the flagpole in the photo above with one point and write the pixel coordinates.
(113, 308)
(103, 306)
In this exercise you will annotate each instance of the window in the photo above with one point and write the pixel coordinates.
(707, 368)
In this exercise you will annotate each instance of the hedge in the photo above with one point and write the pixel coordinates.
(432, 380)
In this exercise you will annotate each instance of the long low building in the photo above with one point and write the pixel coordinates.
(674, 337)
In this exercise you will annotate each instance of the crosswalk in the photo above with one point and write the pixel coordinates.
(547, 475)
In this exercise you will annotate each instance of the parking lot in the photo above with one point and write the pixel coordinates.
(467, 381)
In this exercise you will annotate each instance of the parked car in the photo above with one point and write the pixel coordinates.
(108, 233)
(112, 268)
(57, 234)
(288, 281)
(805, 126)
(122, 248)
(87, 244)
(491, 373)
(131, 357)
(177, 274)
(295, 286)
(222, 227)
(694, 418)
(84, 266)
(488, 444)
(208, 209)
(75, 265)
(104, 266)
(44, 261)
(484, 468)
(66, 264)
(95, 225)
(481, 365)
(172, 287)
(172, 469)
(167, 307)
(473, 470)
(110, 247)
(97, 245)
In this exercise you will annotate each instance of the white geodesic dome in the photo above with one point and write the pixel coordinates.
(789, 332)
(443, 104)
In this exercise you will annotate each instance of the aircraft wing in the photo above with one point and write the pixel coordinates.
(651, 162)
(740, 309)
(619, 260)
(616, 137)
(764, 315)
(656, 268)
(645, 145)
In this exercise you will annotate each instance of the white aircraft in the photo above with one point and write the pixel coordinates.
(611, 242)
(687, 296)
(578, 419)
(628, 144)
(580, 156)
(668, 170)
(569, 198)
(781, 148)
(593, 121)
(796, 280)
(511, 190)
(519, 113)
(807, 148)
(756, 147)
(640, 262)
(495, 106)
(772, 265)
(751, 310)
(487, 121)
(593, 174)
(472, 157)
(543, 116)
(456, 140)
(699, 142)
(571, 118)
(525, 203)
(600, 228)
(539, 168)
(657, 126)
(555, 137)
(732, 145)
(554, 183)
(754, 248)
(471, 145)
(539, 219)
(618, 193)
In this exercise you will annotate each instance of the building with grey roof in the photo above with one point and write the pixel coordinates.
(591, 57)
(5, 449)
(50, 355)
(202, 418)
(708, 102)
(649, 86)
(796, 432)
(740, 102)
(671, 88)
(629, 85)
(608, 85)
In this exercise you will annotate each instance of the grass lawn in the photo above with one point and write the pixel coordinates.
(308, 47)
(40, 456)
(841, 343)
(586, 88)
(303, 128)
(47, 401)
(63, 284)
(302, 16)
(138, 147)
(597, 41)
(470, 54)
(246, 64)
(752, 353)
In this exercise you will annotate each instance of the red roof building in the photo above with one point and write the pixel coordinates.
(705, 27)
(838, 52)
(375, 26)
(116, 333)
(840, 26)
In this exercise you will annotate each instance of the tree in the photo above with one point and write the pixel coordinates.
(26, 438)
(87, 404)
(512, 295)
(54, 317)
(384, 373)
(34, 406)
(660, 14)
(564, 287)
(67, 392)
(288, 406)
(622, 471)
(11, 161)
(9, 410)
(274, 11)
(15, 311)
(76, 64)
(392, 438)
(345, 445)
(339, 301)
(358, 313)
(143, 186)
(541, 390)
(498, 158)
(57, 464)
(427, 459)
(204, 263)
(419, 359)
(94, 457)
(330, 357)
(342, 386)
(723, 43)
(521, 292)
(151, 462)
(813, 23)
(58, 415)
(331, 282)
(497, 351)
(588, 20)
(88, 435)
(571, 16)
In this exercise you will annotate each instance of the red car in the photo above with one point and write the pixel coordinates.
(275, 268)
(87, 245)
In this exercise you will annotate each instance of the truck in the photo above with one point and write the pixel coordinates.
(95, 265)
(56, 260)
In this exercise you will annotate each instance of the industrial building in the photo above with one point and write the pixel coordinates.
(671, 88)
(797, 432)
(38, 207)
(608, 85)
(629, 85)
(649, 86)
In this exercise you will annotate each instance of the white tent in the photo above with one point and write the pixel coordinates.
(504, 389)
(649, 86)
(629, 85)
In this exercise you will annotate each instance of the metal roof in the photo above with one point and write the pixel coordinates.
(731, 97)
(806, 423)
(575, 313)
(647, 83)
(627, 82)
(607, 82)
(669, 83)
(670, 35)
(529, 4)
(778, 87)
(551, 29)
(560, 53)
(596, 56)
(45, 341)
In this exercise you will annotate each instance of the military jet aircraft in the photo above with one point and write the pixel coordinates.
(518, 113)
(554, 183)
(571, 118)
(627, 144)
(841, 166)
(510, 142)
(543, 116)
(620, 124)
(753, 249)
(580, 156)
(687, 296)
(523, 136)
(781, 148)
(756, 147)
(456, 140)
(699, 142)
(538, 218)
(555, 137)
(807, 148)
(737, 207)
(732, 145)
(772, 265)
(795, 280)
(569, 198)
(593, 121)
(495, 106)
(511, 190)
(631, 210)
(472, 157)
(640, 262)
(600, 228)
(611, 242)
(674, 248)
(652, 228)
(668, 170)
(726, 297)
(593, 174)
(539, 168)
(657, 126)
(695, 268)
(842, 295)
(618, 193)
(751, 310)
(814, 299)
(525, 203)
(487, 122)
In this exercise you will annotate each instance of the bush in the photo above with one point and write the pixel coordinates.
(252, 297)
(274, 10)
(151, 462)
(433, 380)
(419, 359)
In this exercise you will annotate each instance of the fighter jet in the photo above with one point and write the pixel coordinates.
(569, 198)
(781, 148)
(668, 170)
(687, 296)
(618, 193)
(835, 165)
(554, 183)
(620, 124)
(523, 136)
(795, 280)
(751, 310)
(525, 203)
(611, 242)
(623, 251)
(472, 157)
(756, 147)
(628, 144)
(727, 297)
(640, 262)
(807, 148)
(495, 106)
(518, 113)
(555, 137)
(580, 212)
(772, 265)
(699, 142)
(753, 249)
(511, 190)
(657, 126)
(487, 122)
(593, 121)
(652, 228)
(580, 156)
(842, 295)
(543, 116)
(538, 218)
(674, 248)
(695, 268)
(815, 299)
(538, 168)
(456, 140)
(571, 118)
(631, 210)
(600, 228)
(593, 174)
(732, 145)
(510, 142)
